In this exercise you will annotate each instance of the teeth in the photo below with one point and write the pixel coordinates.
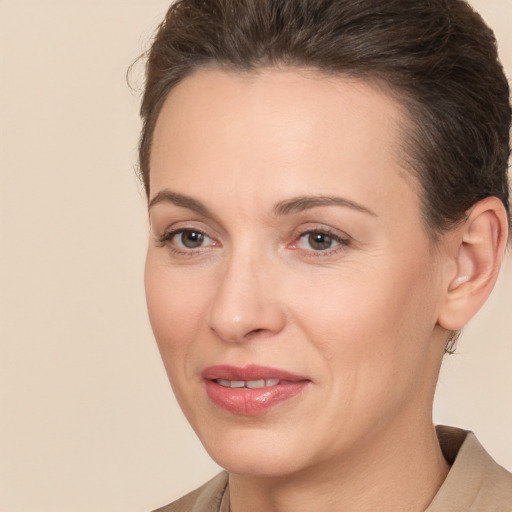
(255, 384)
(251, 384)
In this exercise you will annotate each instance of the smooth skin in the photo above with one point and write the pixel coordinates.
(246, 265)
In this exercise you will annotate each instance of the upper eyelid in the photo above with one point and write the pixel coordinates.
(170, 233)
(209, 228)
(180, 225)
(328, 232)
(343, 239)
(338, 238)
(314, 227)
(166, 240)
(309, 227)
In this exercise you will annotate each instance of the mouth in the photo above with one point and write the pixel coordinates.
(251, 390)
(249, 384)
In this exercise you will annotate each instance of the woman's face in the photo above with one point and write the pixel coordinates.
(291, 285)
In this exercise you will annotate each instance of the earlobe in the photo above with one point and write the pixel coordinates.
(478, 250)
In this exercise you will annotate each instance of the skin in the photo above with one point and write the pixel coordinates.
(360, 319)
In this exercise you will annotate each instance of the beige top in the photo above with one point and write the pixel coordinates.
(475, 483)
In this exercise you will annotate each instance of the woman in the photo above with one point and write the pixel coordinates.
(328, 198)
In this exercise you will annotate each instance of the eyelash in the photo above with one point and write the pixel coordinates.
(342, 243)
(165, 240)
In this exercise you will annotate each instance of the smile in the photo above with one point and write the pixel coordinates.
(251, 390)
(251, 384)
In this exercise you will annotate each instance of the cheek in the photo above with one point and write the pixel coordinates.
(374, 324)
(378, 352)
(176, 307)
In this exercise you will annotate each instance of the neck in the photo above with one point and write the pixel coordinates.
(399, 470)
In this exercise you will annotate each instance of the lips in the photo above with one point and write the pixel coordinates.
(251, 390)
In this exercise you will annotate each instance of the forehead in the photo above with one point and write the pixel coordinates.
(291, 98)
(296, 129)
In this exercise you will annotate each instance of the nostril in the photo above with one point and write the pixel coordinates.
(254, 332)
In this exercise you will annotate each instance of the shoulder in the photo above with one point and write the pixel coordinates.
(206, 498)
(475, 481)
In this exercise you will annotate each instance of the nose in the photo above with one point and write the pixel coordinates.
(246, 303)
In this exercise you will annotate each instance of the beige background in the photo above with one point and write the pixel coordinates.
(87, 420)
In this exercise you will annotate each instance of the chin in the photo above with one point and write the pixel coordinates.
(254, 452)
(257, 465)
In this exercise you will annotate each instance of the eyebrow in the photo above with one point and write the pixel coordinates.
(302, 203)
(286, 207)
(167, 196)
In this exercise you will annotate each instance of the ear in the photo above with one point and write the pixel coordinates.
(477, 249)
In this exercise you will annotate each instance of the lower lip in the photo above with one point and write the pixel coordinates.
(250, 402)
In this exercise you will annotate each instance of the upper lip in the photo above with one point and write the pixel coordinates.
(248, 373)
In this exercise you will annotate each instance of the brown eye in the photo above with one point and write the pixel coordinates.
(320, 241)
(191, 239)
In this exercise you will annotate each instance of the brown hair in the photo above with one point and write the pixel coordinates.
(438, 56)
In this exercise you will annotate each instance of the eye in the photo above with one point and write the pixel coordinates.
(191, 239)
(187, 239)
(319, 241)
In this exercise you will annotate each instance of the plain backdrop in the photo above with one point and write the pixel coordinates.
(87, 418)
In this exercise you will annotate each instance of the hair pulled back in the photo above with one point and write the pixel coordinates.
(438, 56)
